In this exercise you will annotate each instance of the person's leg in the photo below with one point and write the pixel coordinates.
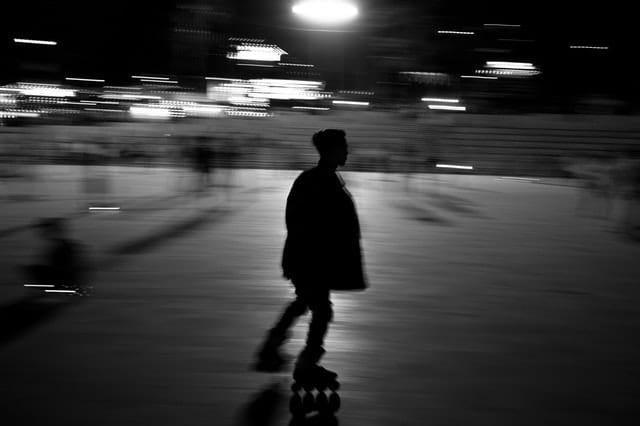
(322, 314)
(269, 356)
(295, 309)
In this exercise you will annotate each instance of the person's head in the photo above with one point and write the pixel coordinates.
(331, 145)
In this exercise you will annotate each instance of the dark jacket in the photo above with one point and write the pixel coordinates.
(323, 233)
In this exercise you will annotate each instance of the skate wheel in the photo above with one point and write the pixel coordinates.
(308, 402)
(334, 402)
(295, 387)
(334, 385)
(322, 384)
(308, 386)
(322, 402)
(295, 405)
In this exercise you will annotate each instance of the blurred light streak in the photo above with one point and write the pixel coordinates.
(31, 41)
(511, 65)
(589, 47)
(221, 79)
(103, 110)
(104, 208)
(311, 108)
(289, 64)
(15, 114)
(40, 285)
(453, 166)
(359, 103)
(325, 12)
(49, 91)
(99, 102)
(519, 179)
(128, 96)
(479, 77)
(203, 110)
(159, 81)
(150, 112)
(456, 32)
(452, 101)
(246, 113)
(257, 52)
(61, 291)
(149, 77)
(96, 80)
(447, 107)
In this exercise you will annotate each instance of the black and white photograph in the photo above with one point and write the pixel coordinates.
(319, 213)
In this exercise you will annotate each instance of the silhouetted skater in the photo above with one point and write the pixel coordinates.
(321, 253)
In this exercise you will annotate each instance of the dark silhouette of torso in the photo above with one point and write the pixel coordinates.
(323, 241)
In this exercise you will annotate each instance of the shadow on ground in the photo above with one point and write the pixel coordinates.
(455, 204)
(264, 407)
(19, 317)
(422, 214)
(174, 230)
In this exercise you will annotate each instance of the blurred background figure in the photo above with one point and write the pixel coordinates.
(203, 157)
(629, 178)
(61, 261)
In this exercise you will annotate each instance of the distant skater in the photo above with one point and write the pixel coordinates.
(61, 262)
(321, 253)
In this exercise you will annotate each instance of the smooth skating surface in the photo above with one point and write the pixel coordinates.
(492, 302)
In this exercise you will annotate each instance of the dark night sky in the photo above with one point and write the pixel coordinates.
(123, 36)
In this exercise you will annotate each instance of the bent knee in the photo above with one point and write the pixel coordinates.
(323, 311)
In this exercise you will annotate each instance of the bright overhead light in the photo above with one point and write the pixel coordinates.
(326, 12)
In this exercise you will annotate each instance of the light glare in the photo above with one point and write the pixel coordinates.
(326, 12)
